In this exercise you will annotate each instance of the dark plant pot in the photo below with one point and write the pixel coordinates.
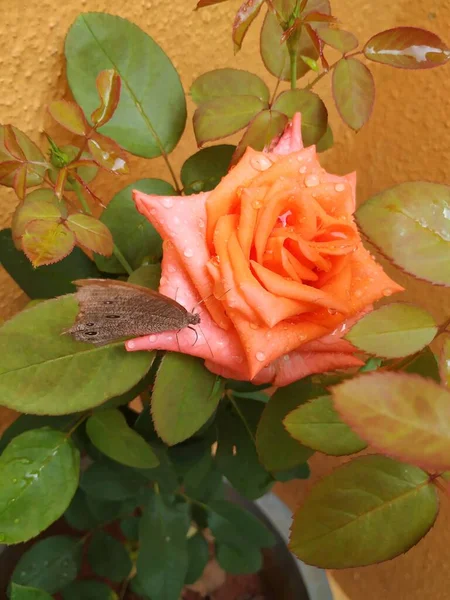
(283, 577)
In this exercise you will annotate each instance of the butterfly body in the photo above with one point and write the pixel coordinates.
(112, 310)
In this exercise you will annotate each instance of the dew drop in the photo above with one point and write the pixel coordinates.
(16, 521)
(23, 573)
(331, 311)
(301, 337)
(311, 180)
(260, 356)
(153, 211)
(152, 338)
(261, 163)
(188, 253)
(14, 480)
(358, 293)
(168, 538)
(254, 326)
(286, 357)
(302, 169)
(387, 292)
(201, 223)
(339, 187)
(256, 204)
(130, 345)
(167, 202)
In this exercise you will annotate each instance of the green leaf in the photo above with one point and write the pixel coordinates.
(69, 115)
(301, 472)
(78, 515)
(326, 141)
(46, 281)
(344, 41)
(367, 511)
(317, 425)
(110, 433)
(425, 364)
(185, 395)
(137, 239)
(407, 48)
(266, 126)
(154, 120)
(20, 592)
(353, 91)
(91, 233)
(394, 330)
(245, 16)
(108, 557)
(198, 552)
(26, 422)
(203, 170)
(44, 372)
(236, 454)
(128, 396)
(314, 113)
(47, 242)
(239, 560)
(229, 523)
(30, 467)
(108, 88)
(276, 449)
(50, 564)
(110, 482)
(223, 83)
(163, 559)
(409, 223)
(36, 166)
(42, 205)
(130, 527)
(371, 365)
(398, 414)
(147, 276)
(444, 362)
(223, 116)
(88, 589)
(105, 511)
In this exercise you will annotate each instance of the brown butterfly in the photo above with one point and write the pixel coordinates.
(111, 310)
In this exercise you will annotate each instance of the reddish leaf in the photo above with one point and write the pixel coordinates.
(91, 233)
(37, 164)
(444, 362)
(244, 18)
(12, 144)
(407, 48)
(46, 242)
(318, 17)
(399, 414)
(353, 91)
(108, 87)
(318, 45)
(266, 126)
(7, 168)
(20, 181)
(69, 115)
(40, 205)
(344, 41)
(108, 154)
(204, 3)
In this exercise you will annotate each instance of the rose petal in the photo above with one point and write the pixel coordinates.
(291, 140)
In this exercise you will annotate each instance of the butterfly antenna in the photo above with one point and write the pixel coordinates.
(208, 297)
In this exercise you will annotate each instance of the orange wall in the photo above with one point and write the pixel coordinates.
(407, 138)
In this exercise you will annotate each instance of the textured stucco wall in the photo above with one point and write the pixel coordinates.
(407, 138)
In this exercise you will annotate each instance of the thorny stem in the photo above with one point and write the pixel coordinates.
(117, 253)
(321, 75)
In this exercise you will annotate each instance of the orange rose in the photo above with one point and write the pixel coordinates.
(275, 254)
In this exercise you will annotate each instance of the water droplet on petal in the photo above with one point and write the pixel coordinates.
(261, 163)
(188, 253)
(253, 326)
(152, 338)
(201, 223)
(387, 292)
(302, 169)
(176, 221)
(331, 311)
(130, 345)
(358, 293)
(171, 269)
(339, 187)
(286, 357)
(167, 202)
(153, 211)
(260, 356)
(311, 180)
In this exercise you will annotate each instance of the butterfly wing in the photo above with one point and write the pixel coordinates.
(112, 310)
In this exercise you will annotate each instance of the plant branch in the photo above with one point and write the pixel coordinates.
(193, 501)
(272, 100)
(294, 58)
(123, 261)
(241, 416)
